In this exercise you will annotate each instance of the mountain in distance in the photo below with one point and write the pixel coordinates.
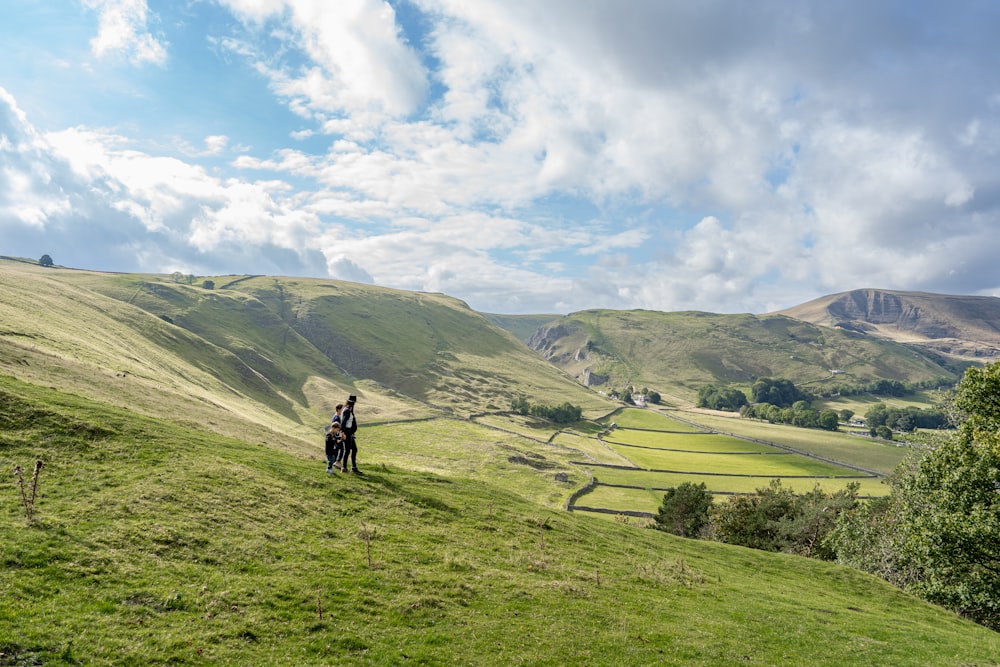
(678, 353)
(964, 327)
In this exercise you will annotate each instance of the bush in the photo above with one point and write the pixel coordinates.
(775, 519)
(684, 510)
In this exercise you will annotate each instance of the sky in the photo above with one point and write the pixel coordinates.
(525, 156)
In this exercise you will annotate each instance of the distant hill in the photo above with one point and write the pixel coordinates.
(677, 353)
(965, 327)
(278, 352)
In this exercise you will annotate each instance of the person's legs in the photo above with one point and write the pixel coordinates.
(352, 451)
(338, 454)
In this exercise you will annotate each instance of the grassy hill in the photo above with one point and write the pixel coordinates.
(964, 327)
(677, 353)
(159, 544)
(274, 352)
(184, 515)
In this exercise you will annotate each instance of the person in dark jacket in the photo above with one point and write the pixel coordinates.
(348, 426)
(334, 446)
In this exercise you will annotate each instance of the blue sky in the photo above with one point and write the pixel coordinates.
(526, 156)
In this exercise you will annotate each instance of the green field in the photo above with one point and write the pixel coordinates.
(861, 451)
(697, 442)
(725, 464)
(635, 418)
(870, 486)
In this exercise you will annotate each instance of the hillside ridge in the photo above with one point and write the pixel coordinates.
(965, 327)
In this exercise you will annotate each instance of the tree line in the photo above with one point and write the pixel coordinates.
(566, 413)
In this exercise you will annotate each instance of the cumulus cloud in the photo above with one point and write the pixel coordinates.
(123, 31)
(358, 61)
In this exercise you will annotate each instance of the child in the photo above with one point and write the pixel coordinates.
(334, 446)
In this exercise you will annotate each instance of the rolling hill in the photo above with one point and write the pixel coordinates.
(965, 327)
(184, 516)
(677, 353)
(274, 352)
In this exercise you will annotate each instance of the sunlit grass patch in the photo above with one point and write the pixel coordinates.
(701, 442)
(638, 418)
(736, 464)
(838, 446)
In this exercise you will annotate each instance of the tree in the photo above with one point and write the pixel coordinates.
(828, 420)
(208, 284)
(520, 405)
(776, 391)
(725, 398)
(845, 415)
(685, 509)
(46, 260)
(881, 431)
(775, 519)
(940, 526)
(653, 397)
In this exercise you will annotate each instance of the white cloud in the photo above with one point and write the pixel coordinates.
(123, 31)
(359, 60)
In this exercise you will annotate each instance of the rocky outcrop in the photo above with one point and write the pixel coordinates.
(963, 326)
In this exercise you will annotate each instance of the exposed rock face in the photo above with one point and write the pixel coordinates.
(964, 326)
(589, 379)
(546, 340)
(861, 308)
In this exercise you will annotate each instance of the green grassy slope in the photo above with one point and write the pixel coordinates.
(677, 353)
(158, 544)
(277, 353)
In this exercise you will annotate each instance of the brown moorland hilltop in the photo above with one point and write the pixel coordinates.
(966, 327)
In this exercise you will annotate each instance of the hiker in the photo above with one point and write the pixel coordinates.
(340, 452)
(348, 425)
(334, 446)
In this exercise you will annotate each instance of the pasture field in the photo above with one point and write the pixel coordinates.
(861, 451)
(725, 464)
(647, 419)
(694, 442)
(619, 498)
(924, 399)
(529, 427)
(869, 486)
(591, 448)
(776, 465)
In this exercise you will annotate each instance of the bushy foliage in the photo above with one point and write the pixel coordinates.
(721, 398)
(46, 260)
(800, 414)
(883, 387)
(564, 413)
(938, 534)
(520, 405)
(684, 510)
(777, 391)
(561, 414)
(904, 419)
(775, 519)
